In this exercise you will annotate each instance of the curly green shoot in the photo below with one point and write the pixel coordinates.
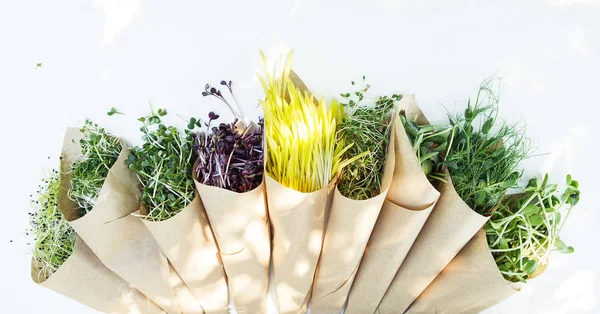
(484, 163)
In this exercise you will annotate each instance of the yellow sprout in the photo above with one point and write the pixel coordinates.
(300, 132)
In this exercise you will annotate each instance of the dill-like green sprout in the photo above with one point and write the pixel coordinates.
(368, 127)
(53, 237)
(484, 163)
(99, 152)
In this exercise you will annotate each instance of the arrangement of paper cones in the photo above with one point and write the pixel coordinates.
(471, 283)
(349, 226)
(416, 247)
(86, 280)
(119, 239)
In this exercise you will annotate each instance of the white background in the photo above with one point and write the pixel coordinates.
(97, 54)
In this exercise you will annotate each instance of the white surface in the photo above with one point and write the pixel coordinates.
(97, 54)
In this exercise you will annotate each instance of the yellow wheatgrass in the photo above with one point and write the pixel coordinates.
(300, 132)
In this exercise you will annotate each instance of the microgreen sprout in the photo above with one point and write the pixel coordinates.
(303, 152)
(164, 166)
(526, 227)
(236, 109)
(53, 237)
(367, 126)
(99, 152)
(483, 163)
(429, 143)
(229, 156)
(113, 111)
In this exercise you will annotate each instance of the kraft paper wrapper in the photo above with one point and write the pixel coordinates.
(471, 283)
(119, 239)
(241, 228)
(298, 222)
(450, 226)
(349, 227)
(409, 203)
(83, 278)
(188, 242)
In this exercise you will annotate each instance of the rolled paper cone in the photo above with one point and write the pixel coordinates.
(471, 283)
(241, 227)
(349, 227)
(298, 222)
(450, 226)
(83, 278)
(119, 239)
(188, 242)
(410, 200)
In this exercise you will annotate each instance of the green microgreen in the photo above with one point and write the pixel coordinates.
(99, 152)
(526, 227)
(164, 166)
(53, 237)
(113, 111)
(483, 163)
(429, 143)
(367, 126)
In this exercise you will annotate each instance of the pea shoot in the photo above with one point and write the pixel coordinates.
(53, 237)
(99, 152)
(368, 127)
(429, 143)
(164, 166)
(526, 227)
(484, 163)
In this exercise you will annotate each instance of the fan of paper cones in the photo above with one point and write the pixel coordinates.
(415, 248)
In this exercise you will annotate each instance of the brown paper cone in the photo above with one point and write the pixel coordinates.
(188, 242)
(409, 202)
(86, 280)
(471, 283)
(298, 222)
(348, 229)
(239, 222)
(119, 239)
(450, 226)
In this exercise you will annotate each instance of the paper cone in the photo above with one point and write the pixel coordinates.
(298, 222)
(348, 229)
(188, 242)
(119, 240)
(241, 228)
(83, 278)
(471, 283)
(409, 202)
(450, 226)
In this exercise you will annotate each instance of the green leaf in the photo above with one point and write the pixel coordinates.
(559, 244)
(530, 267)
(536, 220)
(487, 126)
(508, 184)
(530, 210)
(479, 197)
(503, 244)
(496, 225)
